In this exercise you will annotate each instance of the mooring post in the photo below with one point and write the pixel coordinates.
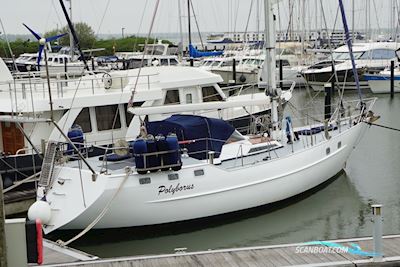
(328, 96)
(392, 79)
(3, 247)
(280, 73)
(92, 63)
(234, 70)
(65, 71)
(377, 216)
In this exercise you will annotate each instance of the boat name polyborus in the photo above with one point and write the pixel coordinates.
(173, 189)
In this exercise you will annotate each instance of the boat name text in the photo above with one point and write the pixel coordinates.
(173, 189)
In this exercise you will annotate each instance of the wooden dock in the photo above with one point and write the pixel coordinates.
(56, 255)
(279, 255)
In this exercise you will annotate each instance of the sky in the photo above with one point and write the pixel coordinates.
(110, 16)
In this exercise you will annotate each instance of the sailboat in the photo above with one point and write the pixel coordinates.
(187, 166)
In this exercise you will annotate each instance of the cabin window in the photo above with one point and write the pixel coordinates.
(83, 120)
(164, 62)
(50, 59)
(105, 117)
(173, 62)
(189, 98)
(61, 61)
(383, 54)
(56, 60)
(129, 116)
(339, 145)
(210, 94)
(172, 97)
(228, 63)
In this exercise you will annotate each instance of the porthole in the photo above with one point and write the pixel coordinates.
(328, 150)
(198, 172)
(339, 145)
(145, 180)
(173, 176)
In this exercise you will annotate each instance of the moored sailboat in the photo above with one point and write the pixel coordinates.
(196, 167)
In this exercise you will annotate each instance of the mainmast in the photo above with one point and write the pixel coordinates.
(267, 79)
(180, 30)
(71, 38)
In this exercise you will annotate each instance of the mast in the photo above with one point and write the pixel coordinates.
(303, 28)
(8, 44)
(189, 31)
(267, 79)
(180, 30)
(258, 20)
(350, 47)
(71, 38)
(76, 40)
(353, 11)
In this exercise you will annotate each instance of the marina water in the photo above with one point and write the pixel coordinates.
(338, 209)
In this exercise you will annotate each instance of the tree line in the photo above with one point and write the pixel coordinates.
(87, 40)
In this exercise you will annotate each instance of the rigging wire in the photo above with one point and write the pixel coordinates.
(197, 24)
(248, 21)
(130, 103)
(236, 15)
(376, 15)
(140, 24)
(384, 126)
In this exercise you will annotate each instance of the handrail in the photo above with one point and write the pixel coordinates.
(20, 182)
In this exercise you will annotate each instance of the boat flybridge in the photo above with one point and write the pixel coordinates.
(370, 58)
(187, 166)
(97, 104)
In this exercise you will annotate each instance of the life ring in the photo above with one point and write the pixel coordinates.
(107, 81)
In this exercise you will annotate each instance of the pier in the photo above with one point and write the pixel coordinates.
(277, 255)
(54, 255)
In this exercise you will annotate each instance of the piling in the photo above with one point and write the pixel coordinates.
(392, 79)
(377, 217)
(92, 63)
(328, 97)
(234, 70)
(280, 73)
(3, 247)
(65, 70)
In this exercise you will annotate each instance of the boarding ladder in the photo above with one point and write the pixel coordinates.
(45, 178)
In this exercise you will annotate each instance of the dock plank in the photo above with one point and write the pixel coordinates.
(280, 255)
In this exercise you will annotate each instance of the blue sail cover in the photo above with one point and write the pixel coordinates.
(194, 53)
(194, 130)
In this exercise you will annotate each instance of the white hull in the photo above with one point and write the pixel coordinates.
(220, 190)
(319, 86)
(290, 75)
(383, 86)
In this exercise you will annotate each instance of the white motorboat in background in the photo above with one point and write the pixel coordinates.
(370, 58)
(380, 82)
